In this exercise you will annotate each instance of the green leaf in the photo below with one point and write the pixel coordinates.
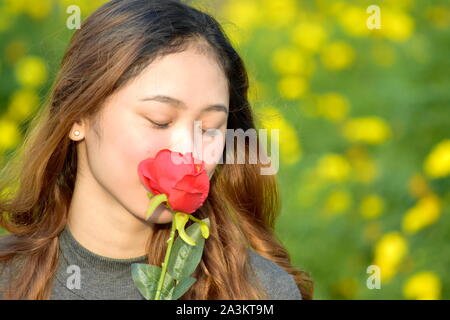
(146, 277)
(183, 285)
(167, 287)
(185, 258)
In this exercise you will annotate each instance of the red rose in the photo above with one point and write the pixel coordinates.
(185, 183)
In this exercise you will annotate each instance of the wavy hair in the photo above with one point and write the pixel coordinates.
(113, 45)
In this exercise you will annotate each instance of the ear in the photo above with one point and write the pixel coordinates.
(78, 131)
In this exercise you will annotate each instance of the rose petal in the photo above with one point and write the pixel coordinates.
(194, 183)
(166, 172)
(184, 201)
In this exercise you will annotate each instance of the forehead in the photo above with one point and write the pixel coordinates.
(193, 76)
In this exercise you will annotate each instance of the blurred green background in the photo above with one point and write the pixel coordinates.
(363, 117)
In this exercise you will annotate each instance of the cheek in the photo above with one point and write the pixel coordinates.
(119, 151)
(114, 159)
(213, 149)
(123, 144)
(210, 169)
(138, 144)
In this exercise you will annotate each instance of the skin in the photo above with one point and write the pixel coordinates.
(107, 214)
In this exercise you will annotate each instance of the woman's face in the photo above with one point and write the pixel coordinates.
(157, 110)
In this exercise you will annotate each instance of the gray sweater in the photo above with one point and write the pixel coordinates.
(84, 275)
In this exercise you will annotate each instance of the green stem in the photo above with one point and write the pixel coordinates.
(166, 260)
(155, 201)
(195, 219)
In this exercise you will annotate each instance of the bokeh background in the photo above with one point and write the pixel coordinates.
(364, 119)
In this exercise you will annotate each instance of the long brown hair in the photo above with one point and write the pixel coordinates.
(112, 46)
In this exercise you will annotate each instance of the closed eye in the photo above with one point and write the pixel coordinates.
(159, 125)
(209, 132)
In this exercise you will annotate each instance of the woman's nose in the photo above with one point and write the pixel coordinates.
(183, 140)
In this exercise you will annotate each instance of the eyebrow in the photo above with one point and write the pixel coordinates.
(180, 104)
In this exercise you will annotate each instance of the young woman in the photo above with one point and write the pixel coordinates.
(135, 77)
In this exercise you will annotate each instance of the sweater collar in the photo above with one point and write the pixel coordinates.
(75, 251)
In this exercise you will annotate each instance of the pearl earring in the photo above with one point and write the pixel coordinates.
(76, 132)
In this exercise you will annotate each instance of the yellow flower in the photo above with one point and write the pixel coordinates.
(399, 4)
(9, 134)
(290, 147)
(278, 13)
(371, 206)
(338, 201)
(245, 14)
(424, 213)
(290, 60)
(23, 103)
(424, 285)
(333, 8)
(310, 36)
(353, 19)
(332, 106)
(38, 9)
(292, 87)
(396, 25)
(333, 167)
(86, 6)
(337, 55)
(372, 130)
(389, 253)
(239, 18)
(31, 71)
(437, 163)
